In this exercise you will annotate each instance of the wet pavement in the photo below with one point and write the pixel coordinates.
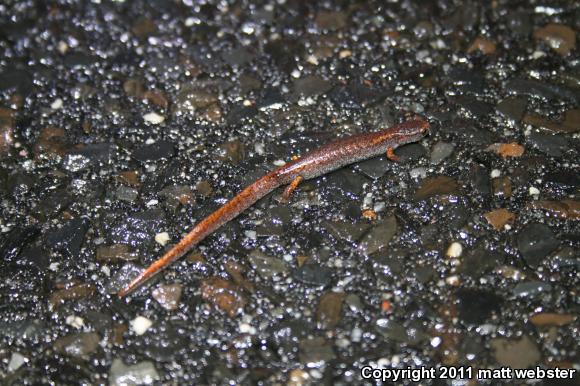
(122, 124)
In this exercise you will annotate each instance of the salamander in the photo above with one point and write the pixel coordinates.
(320, 161)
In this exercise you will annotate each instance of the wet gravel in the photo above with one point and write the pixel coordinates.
(122, 124)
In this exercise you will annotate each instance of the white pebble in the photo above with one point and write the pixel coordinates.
(153, 118)
(57, 104)
(162, 238)
(356, 334)
(75, 321)
(452, 280)
(435, 341)
(533, 191)
(106, 270)
(250, 234)
(454, 250)
(495, 173)
(245, 328)
(16, 361)
(279, 162)
(140, 324)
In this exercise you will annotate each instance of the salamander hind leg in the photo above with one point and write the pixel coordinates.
(391, 155)
(290, 189)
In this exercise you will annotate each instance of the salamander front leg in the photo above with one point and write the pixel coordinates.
(391, 155)
(290, 189)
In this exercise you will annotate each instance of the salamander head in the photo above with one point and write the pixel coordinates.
(412, 129)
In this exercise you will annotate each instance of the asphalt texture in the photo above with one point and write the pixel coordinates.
(124, 123)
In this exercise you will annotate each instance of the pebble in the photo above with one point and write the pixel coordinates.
(162, 238)
(499, 218)
(16, 361)
(140, 325)
(570, 123)
(313, 274)
(329, 310)
(440, 151)
(75, 321)
(541, 89)
(76, 292)
(168, 296)
(268, 267)
(506, 150)
(88, 156)
(154, 152)
(78, 345)
(483, 45)
(553, 145)
(56, 104)
(315, 352)
(127, 194)
(477, 306)
(544, 319)
(115, 253)
(7, 126)
(558, 37)
(436, 186)
(347, 231)
(566, 209)
(454, 250)
(531, 289)
(379, 236)
(513, 107)
(142, 373)
(519, 353)
(535, 242)
(223, 294)
(502, 187)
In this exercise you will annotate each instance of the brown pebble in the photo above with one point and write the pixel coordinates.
(77, 292)
(560, 38)
(134, 88)
(505, 150)
(213, 113)
(502, 187)
(233, 151)
(7, 123)
(499, 218)
(301, 259)
(568, 209)
(570, 123)
(329, 310)
(551, 319)
(156, 97)
(130, 178)
(144, 27)
(51, 142)
(204, 187)
(118, 331)
(330, 20)
(196, 257)
(78, 344)
(236, 271)
(369, 214)
(223, 294)
(436, 186)
(484, 45)
(168, 296)
(115, 253)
